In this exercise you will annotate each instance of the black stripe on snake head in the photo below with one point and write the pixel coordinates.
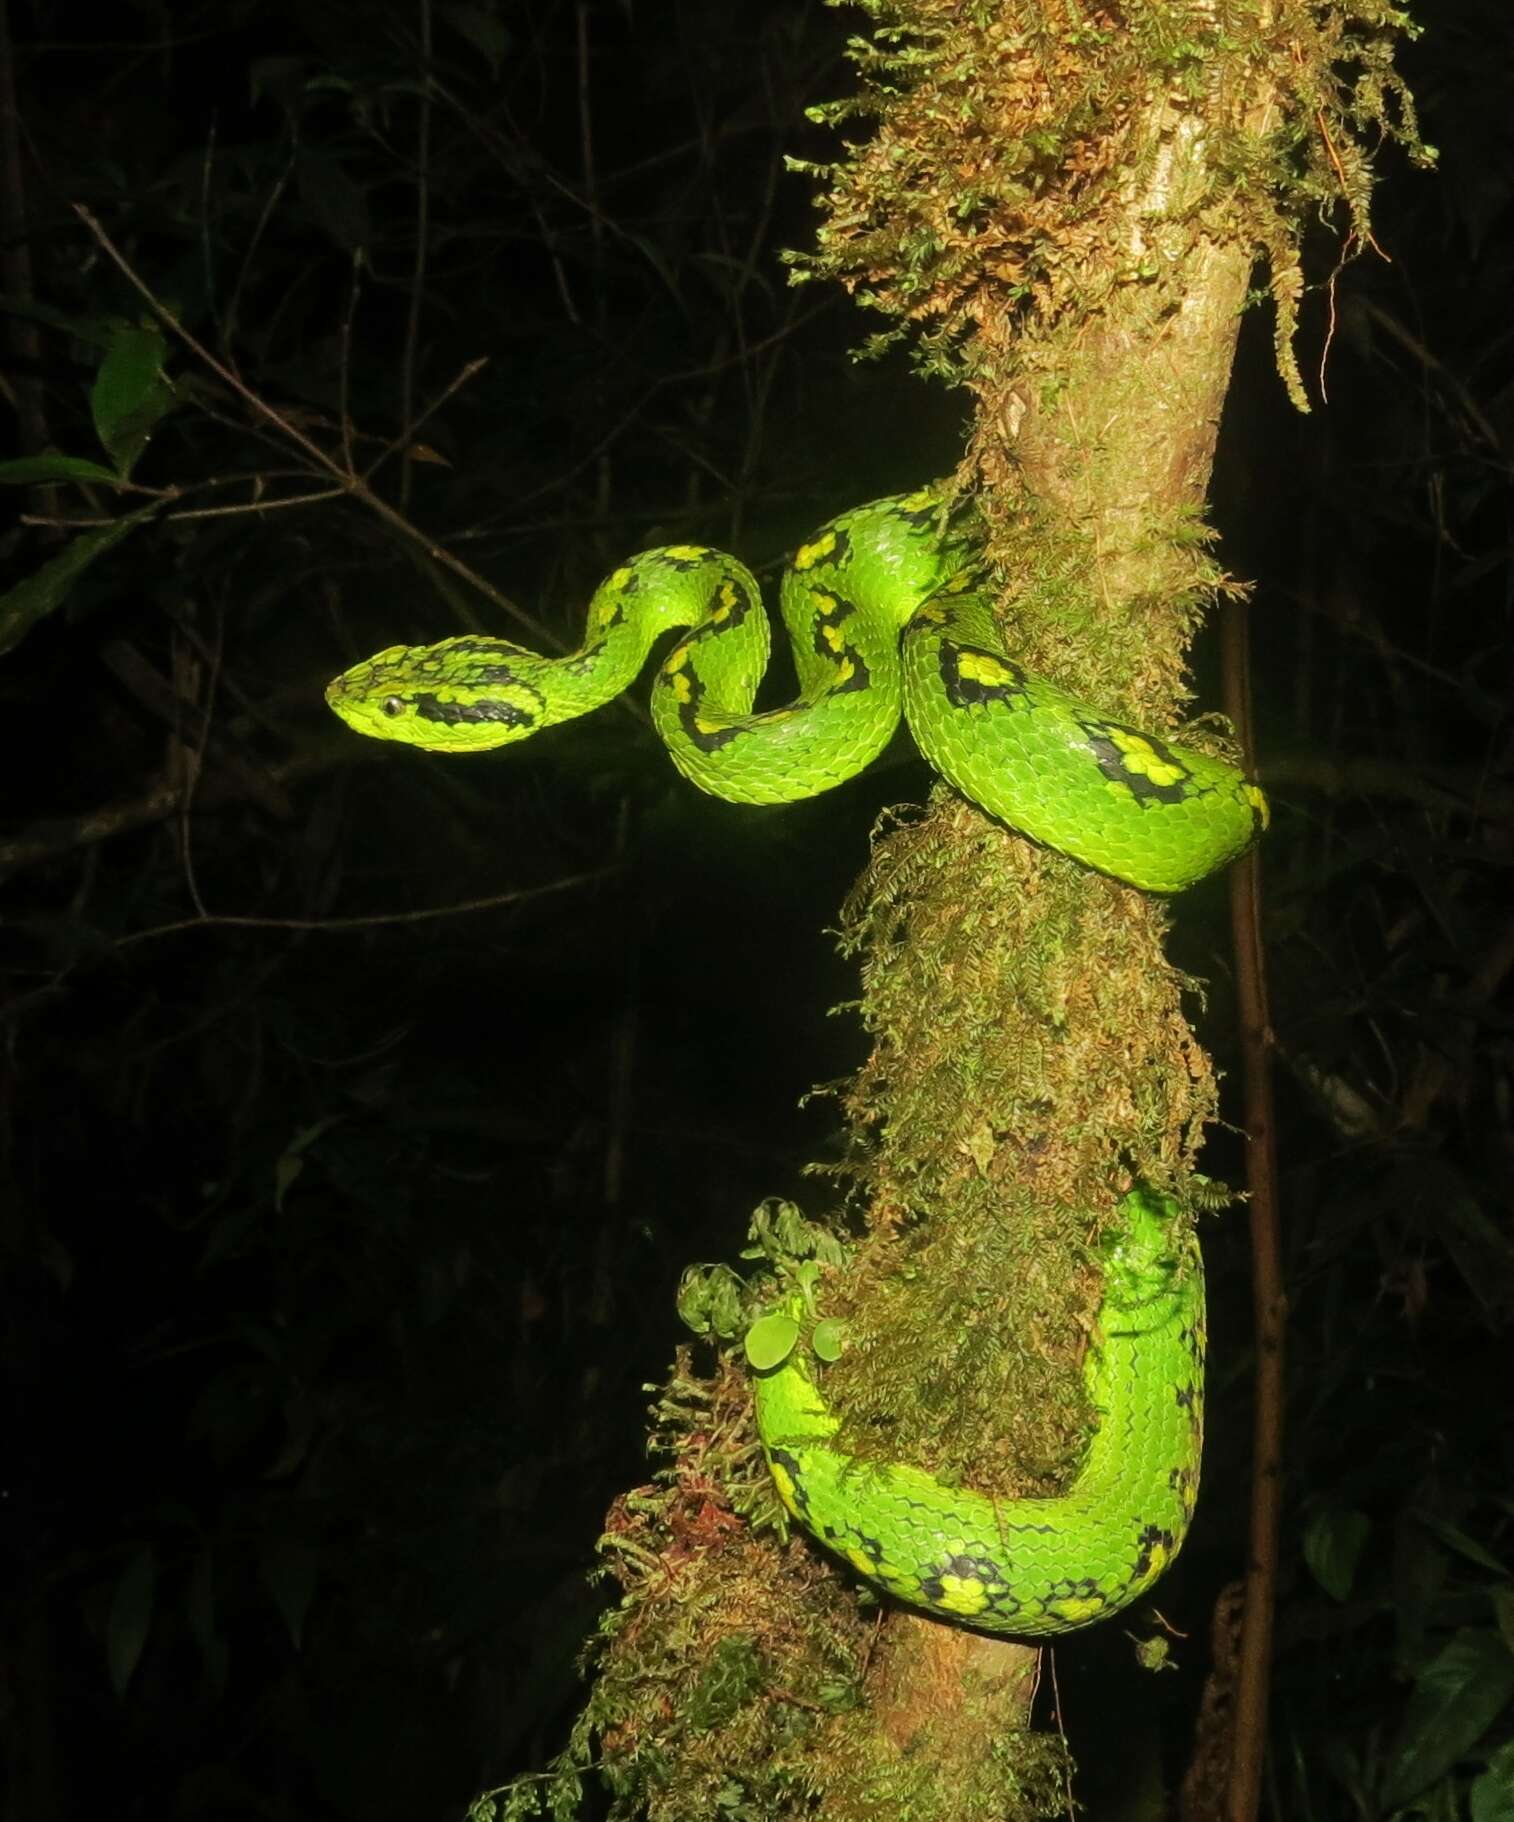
(457, 714)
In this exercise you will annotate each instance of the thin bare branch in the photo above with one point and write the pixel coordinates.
(347, 482)
(375, 920)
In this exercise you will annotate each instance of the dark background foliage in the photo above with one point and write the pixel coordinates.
(337, 1253)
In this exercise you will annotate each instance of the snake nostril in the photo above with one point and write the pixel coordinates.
(394, 705)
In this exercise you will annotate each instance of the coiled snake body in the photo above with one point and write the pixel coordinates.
(1030, 1567)
(885, 618)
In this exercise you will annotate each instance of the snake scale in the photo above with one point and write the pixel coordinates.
(886, 617)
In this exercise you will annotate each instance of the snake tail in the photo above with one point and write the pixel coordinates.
(1029, 1568)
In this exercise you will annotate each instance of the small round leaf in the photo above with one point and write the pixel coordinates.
(829, 1339)
(770, 1340)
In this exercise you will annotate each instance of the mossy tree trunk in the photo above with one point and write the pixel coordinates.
(1031, 1052)
(1064, 203)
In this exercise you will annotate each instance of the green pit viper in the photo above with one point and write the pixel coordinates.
(886, 616)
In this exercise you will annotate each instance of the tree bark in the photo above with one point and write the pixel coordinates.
(1101, 431)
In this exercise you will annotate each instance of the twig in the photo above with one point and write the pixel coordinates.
(622, 1084)
(422, 232)
(347, 482)
(192, 512)
(43, 840)
(265, 215)
(597, 244)
(1391, 326)
(23, 1003)
(193, 742)
(374, 920)
(1446, 790)
(464, 374)
(344, 367)
(163, 701)
(1269, 1303)
(24, 338)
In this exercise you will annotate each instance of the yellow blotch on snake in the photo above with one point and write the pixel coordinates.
(991, 672)
(1142, 758)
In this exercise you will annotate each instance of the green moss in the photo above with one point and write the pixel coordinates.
(1010, 1093)
(1009, 136)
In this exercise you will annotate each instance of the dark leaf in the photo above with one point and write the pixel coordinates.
(130, 1619)
(46, 589)
(130, 396)
(1457, 1697)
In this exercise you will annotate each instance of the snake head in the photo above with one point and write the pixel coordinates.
(459, 696)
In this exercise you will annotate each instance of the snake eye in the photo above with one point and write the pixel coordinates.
(393, 705)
